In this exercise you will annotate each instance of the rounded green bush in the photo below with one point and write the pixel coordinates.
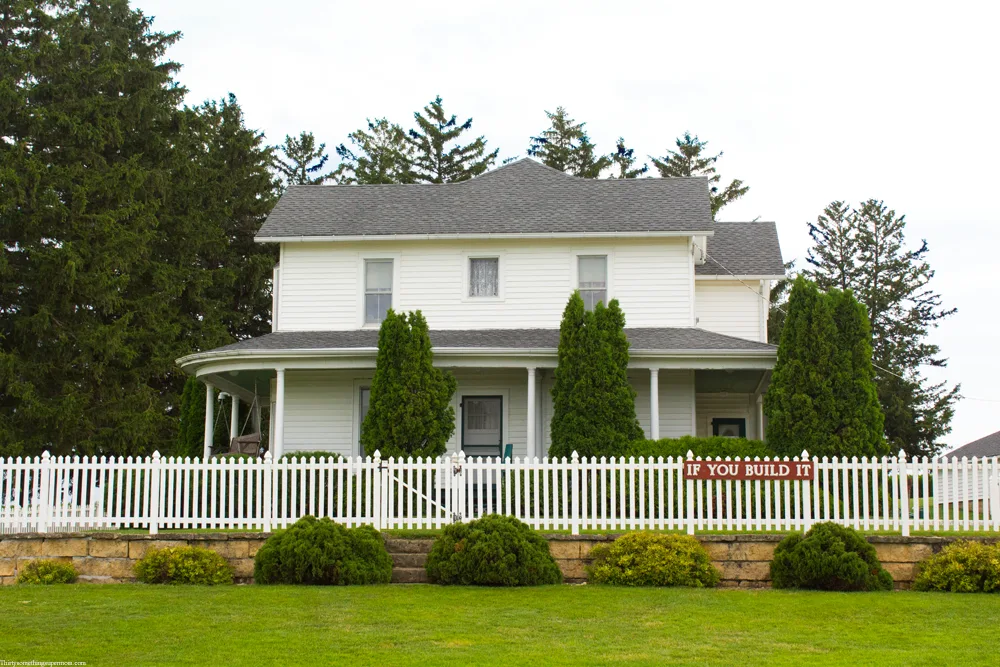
(828, 558)
(652, 559)
(714, 446)
(46, 572)
(320, 551)
(492, 551)
(962, 567)
(183, 565)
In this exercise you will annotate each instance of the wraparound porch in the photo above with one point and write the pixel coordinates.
(317, 395)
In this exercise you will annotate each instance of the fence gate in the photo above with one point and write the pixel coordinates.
(420, 494)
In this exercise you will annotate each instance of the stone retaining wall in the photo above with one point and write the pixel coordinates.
(743, 559)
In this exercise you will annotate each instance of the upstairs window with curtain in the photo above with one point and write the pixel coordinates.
(484, 277)
(378, 289)
(593, 279)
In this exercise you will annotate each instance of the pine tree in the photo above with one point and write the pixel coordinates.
(860, 421)
(624, 161)
(800, 403)
(593, 401)
(410, 412)
(379, 155)
(688, 160)
(437, 155)
(893, 283)
(304, 161)
(566, 146)
(191, 429)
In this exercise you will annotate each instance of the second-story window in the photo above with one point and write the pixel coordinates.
(378, 289)
(484, 276)
(593, 279)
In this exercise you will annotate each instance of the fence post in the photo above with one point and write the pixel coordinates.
(44, 484)
(807, 494)
(154, 494)
(267, 499)
(574, 491)
(904, 496)
(378, 514)
(690, 496)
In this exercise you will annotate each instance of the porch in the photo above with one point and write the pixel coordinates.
(316, 386)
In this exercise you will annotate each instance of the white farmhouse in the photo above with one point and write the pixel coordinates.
(491, 263)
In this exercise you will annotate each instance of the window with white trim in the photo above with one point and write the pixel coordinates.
(592, 271)
(484, 276)
(378, 289)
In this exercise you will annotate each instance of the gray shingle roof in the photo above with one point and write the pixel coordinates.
(745, 248)
(523, 197)
(988, 446)
(680, 338)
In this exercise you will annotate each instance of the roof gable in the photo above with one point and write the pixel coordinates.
(524, 197)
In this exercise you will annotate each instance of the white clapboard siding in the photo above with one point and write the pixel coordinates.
(320, 286)
(728, 307)
(891, 494)
(711, 406)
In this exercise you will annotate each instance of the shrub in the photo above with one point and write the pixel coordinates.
(492, 551)
(704, 447)
(183, 565)
(46, 572)
(828, 558)
(962, 567)
(319, 551)
(652, 559)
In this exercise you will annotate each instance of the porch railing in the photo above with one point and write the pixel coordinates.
(48, 494)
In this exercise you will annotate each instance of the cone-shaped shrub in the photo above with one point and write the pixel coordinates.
(593, 404)
(410, 412)
(319, 551)
(492, 551)
(828, 558)
(652, 559)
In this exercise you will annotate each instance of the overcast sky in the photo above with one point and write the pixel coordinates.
(810, 104)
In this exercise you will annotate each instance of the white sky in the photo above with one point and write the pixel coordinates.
(809, 103)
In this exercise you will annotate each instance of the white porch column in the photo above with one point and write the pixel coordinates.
(234, 418)
(654, 403)
(278, 446)
(532, 407)
(209, 421)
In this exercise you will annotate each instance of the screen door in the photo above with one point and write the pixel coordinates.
(482, 425)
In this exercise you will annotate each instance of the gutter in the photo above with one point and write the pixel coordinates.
(331, 238)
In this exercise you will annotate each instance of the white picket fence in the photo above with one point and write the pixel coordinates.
(55, 494)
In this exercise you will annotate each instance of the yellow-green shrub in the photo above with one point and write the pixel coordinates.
(652, 559)
(962, 567)
(46, 572)
(183, 565)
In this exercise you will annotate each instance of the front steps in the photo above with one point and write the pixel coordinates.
(408, 560)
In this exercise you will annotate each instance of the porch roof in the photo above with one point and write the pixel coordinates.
(670, 339)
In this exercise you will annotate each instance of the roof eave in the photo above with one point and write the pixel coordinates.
(477, 236)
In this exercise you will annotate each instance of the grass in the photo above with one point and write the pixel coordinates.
(400, 625)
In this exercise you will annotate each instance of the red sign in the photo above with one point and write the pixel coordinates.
(781, 470)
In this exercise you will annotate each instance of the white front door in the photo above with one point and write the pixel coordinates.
(482, 425)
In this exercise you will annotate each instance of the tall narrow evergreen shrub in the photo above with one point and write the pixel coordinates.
(191, 434)
(593, 402)
(410, 412)
(822, 396)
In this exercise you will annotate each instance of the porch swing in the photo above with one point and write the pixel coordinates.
(248, 443)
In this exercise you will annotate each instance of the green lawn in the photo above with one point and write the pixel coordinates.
(134, 624)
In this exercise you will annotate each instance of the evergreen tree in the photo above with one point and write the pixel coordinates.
(860, 421)
(127, 225)
(566, 146)
(410, 411)
(893, 283)
(800, 404)
(191, 428)
(379, 155)
(437, 155)
(688, 160)
(778, 300)
(304, 161)
(623, 159)
(593, 401)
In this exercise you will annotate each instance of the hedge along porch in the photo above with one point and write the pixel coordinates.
(575, 495)
(687, 381)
